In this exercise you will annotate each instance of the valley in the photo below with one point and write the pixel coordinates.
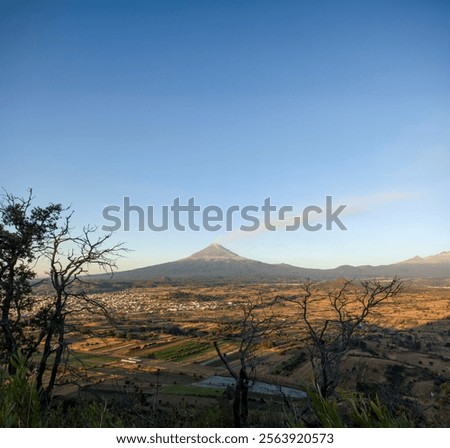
(159, 346)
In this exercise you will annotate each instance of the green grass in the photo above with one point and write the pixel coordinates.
(195, 391)
(182, 351)
(89, 360)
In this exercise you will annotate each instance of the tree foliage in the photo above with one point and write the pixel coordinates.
(36, 326)
(24, 233)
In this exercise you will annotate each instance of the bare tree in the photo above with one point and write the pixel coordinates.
(329, 339)
(69, 257)
(253, 326)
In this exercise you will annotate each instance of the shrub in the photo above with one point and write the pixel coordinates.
(19, 398)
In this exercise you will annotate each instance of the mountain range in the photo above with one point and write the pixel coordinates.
(217, 262)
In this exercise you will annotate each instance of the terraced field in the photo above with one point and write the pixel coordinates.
(182, 351)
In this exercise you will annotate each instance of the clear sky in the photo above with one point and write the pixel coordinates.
(231, 102)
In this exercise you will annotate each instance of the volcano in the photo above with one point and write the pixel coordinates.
(214, 261)
(218, 262)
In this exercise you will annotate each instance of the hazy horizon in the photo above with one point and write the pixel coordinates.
(42, 274)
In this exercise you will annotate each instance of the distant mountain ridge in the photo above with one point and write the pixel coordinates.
(443, 257)
(218, 262)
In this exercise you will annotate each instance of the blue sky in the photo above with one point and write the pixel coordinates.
(231, 102)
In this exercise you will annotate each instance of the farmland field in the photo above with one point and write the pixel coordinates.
(162, 343)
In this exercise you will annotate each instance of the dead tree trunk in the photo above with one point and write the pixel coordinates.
(240, 401)
(253, 327)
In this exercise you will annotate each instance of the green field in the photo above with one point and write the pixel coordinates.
(89, 360)
(182, 351)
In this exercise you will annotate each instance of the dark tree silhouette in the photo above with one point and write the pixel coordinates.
(330, 339)
(35, 325)
(253, 326)
(24, 233)
(69, 257)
